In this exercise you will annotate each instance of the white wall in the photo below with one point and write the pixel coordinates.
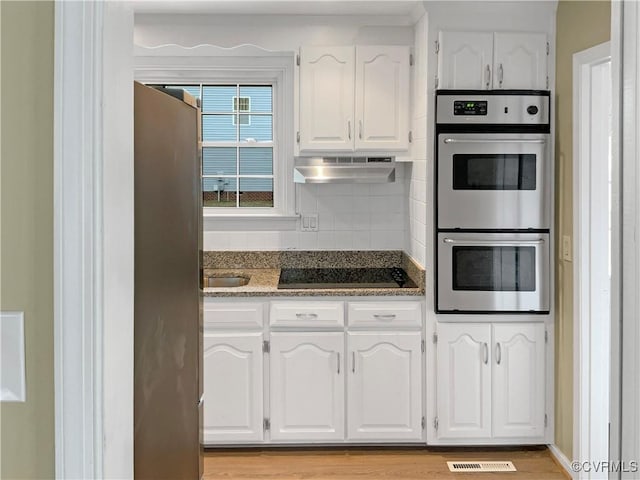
(358, 217)
(350, 217)
(420, 208)
(272, 32)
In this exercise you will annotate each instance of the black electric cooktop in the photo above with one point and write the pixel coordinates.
(344, 278)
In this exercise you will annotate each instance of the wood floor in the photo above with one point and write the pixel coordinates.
(374, 463)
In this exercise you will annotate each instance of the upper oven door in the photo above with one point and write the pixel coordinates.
(493, 181)
(493, 272)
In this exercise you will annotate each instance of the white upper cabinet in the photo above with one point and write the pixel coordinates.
(382, 98)
(464, 60)
(520, 61)
(327, 78)
(354, 99)
(486, 60)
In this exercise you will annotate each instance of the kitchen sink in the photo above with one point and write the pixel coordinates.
(227, 281)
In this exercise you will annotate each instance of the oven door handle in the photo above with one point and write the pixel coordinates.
(495, 140)
(514, 243)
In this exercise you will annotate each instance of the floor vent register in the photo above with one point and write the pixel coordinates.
(481, 467)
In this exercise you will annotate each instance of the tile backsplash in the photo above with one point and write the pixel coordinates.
(350, 217)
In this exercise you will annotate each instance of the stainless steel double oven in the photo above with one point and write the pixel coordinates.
(493, 201)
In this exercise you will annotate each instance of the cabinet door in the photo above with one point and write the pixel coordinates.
(518, 380)
(520, 61)
(464, 381)
(382, 98)
(232, 387)
(384, 386)
(464, 60)
(326, 98)
(307, 386)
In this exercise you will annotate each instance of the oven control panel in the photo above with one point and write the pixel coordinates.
(470, 107)
(492, 108)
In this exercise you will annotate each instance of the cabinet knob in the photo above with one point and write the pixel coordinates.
(487, 76)
(498, 353)
(500, 75)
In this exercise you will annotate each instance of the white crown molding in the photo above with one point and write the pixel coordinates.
(206, 50)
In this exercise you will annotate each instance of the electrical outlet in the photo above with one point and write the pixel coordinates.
(566, 248)
(309, 222)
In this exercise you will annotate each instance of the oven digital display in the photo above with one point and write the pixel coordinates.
(470, 107)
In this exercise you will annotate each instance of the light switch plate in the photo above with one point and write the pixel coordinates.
(566, 248)
(12, 366)
(309, 222)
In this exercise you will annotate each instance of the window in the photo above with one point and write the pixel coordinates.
(242, 104)
(237, 148)
(247, 125)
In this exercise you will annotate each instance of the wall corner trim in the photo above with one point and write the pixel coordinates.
(562, 460)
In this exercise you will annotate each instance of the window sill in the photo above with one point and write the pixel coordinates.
(248, 221)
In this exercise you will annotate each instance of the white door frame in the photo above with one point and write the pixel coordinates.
(625, 23)
(591, 125)
(93, 239)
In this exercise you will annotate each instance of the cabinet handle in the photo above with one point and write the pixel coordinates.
(387, 316)
(353, 362)
(486, 353)
(498, 353)
(349, 128)
(500, 74)
(338, 354)
(306, 316)
(360, 130)
(487, 76)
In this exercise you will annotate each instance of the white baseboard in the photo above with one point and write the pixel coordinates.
(562, 460)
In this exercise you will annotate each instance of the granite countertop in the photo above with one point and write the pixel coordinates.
(263, 281)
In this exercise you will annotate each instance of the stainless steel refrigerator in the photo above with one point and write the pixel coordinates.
(167, 317)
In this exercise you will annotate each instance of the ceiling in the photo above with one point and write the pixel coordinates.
(267, 7)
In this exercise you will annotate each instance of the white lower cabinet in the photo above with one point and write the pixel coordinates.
(464, 381)
(233, 387)
(491, 381)
(307, 386)
(518, 383)
(317, 371)
(384, 386)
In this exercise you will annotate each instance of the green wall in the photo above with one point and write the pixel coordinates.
(580, 25)
(26, 214)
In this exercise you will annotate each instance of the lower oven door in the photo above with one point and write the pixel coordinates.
(493, 272)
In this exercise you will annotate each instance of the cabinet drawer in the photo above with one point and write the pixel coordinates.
(233, 315)
(307, 314)
(385, 314)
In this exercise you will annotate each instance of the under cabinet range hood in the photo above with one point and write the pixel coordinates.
(344, 170)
